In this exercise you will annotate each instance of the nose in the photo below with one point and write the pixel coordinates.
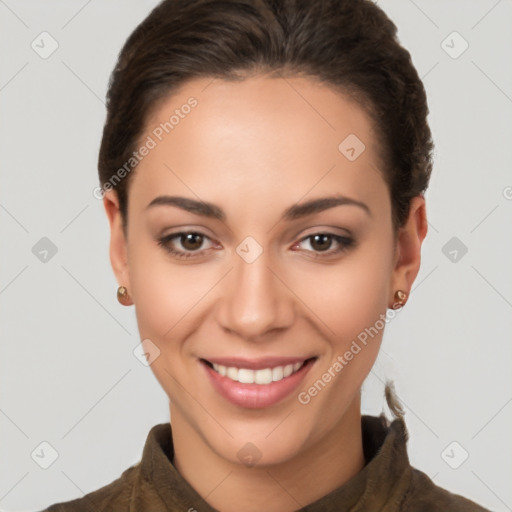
(255, 304)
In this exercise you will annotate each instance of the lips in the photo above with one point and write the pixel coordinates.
(256, 383)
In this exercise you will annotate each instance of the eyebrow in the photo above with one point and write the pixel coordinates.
(294, 212)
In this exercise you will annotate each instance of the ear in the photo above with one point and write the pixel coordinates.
(118, 245)
(410, 236)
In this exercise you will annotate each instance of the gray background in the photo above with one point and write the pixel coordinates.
(68, 375)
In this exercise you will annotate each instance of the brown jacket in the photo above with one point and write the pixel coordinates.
(387, 483)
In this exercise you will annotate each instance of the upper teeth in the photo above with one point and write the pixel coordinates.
(264, 376)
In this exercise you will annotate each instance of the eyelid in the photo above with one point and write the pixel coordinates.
(329, 230)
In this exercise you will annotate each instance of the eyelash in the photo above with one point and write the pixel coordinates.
(345, 243)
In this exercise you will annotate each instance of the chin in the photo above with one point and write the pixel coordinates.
(258, 453)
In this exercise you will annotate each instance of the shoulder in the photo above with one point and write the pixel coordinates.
(419, 493)
(113, 497)
(135, 488)
(425, 496)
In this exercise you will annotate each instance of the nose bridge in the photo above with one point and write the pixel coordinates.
(257, 301)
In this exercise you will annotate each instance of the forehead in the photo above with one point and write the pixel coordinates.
(276, 109)
(286, 135)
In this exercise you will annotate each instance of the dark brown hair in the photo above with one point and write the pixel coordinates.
(350, 45)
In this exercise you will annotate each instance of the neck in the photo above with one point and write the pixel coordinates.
(284, 487)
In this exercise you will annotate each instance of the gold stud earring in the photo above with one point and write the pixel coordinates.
(400, 298)
(123, 297)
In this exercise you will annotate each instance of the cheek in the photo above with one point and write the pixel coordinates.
(167, 298)
(349, 296)
(165, 293)
(349, 301)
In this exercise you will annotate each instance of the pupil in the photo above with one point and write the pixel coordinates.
(325, 238)
(189, 241)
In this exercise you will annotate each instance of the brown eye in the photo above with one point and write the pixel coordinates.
(191, 241)
(322, 243)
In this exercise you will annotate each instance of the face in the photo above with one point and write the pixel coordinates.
(233, 256)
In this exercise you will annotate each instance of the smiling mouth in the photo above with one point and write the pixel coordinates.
(260, 376)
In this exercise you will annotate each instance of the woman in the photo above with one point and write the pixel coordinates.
(262, 168)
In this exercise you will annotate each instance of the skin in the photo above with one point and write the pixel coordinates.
(255, 148)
